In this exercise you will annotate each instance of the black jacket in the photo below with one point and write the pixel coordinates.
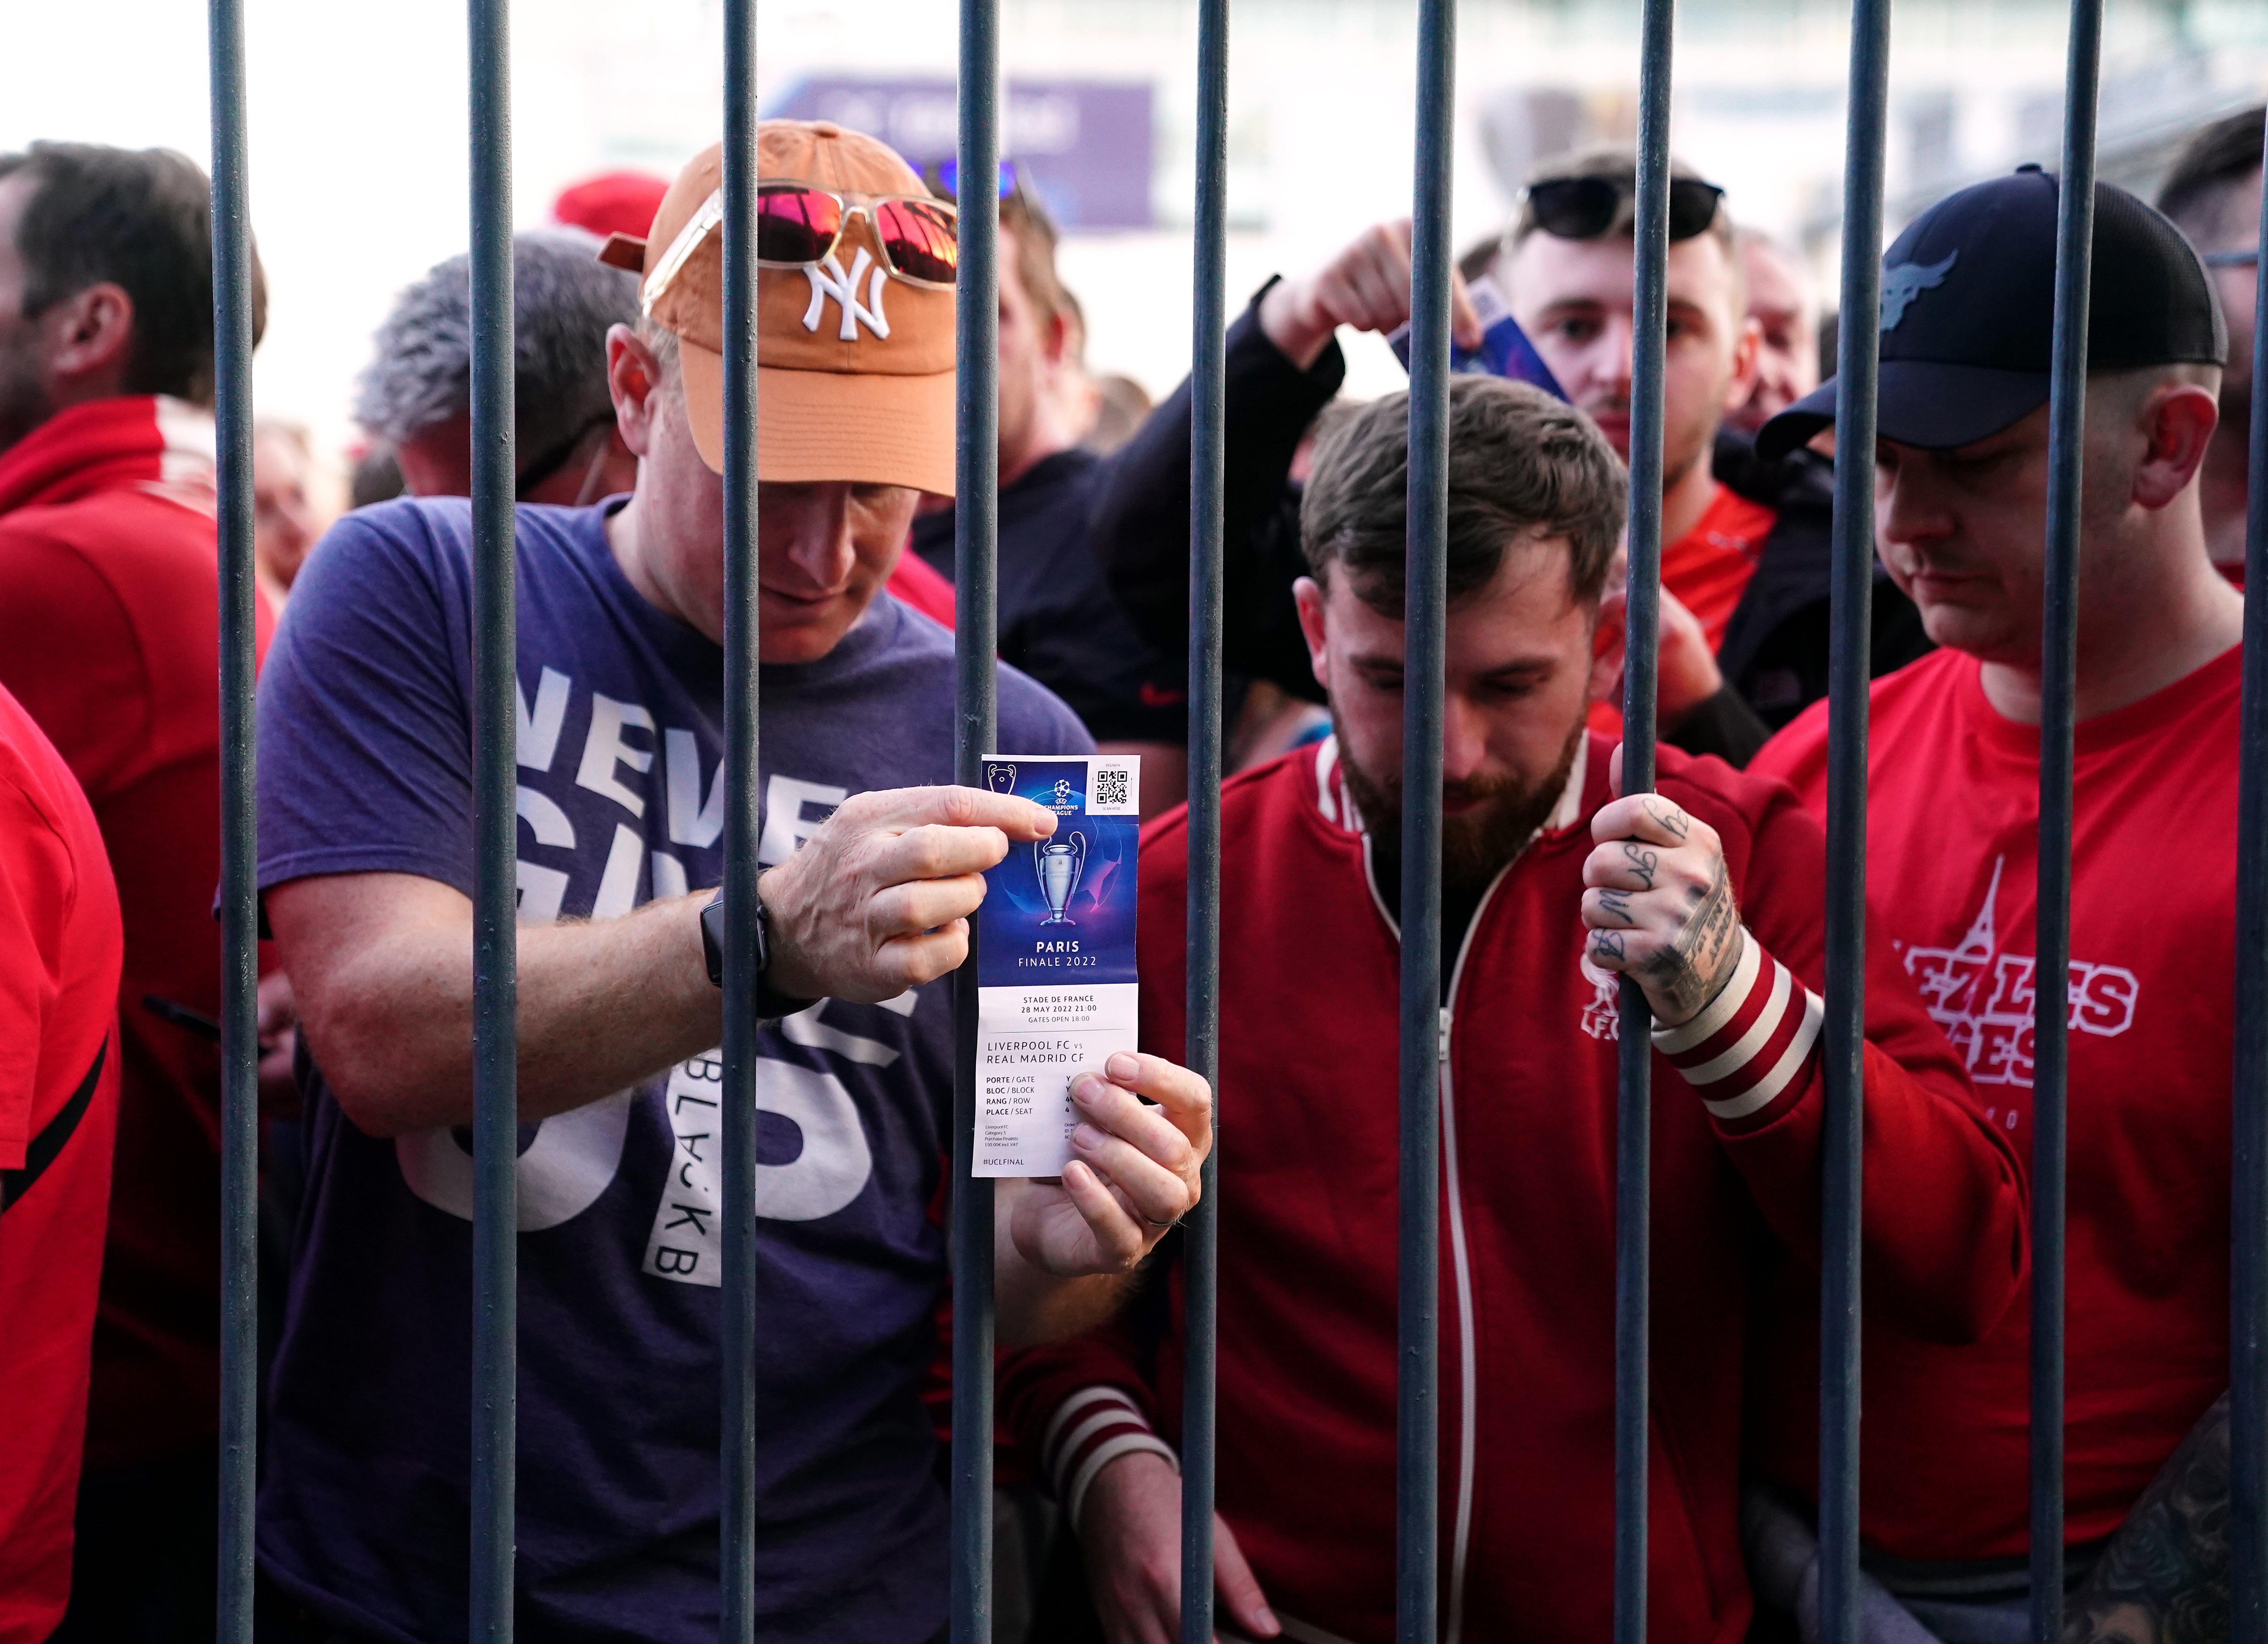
(1057, 620)
(1774, 655)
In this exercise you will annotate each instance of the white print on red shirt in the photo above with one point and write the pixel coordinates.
(1603, 1017)
(1984, 998)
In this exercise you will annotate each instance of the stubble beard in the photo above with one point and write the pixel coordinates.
(1477, 845)
(1694, 444)
(23, 402)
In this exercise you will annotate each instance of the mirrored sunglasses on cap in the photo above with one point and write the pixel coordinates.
(799, 224)
(1585, 208)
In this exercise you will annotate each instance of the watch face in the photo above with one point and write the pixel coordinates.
(712, 939)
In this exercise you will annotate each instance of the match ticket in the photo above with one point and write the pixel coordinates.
(1505, 350)
(1055, 956)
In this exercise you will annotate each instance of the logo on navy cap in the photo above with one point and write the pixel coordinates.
(1907, 281)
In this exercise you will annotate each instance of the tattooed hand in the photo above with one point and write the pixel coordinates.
(1659, 908)
(2164, 1578)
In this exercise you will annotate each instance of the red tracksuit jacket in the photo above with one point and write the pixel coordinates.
(108, 585)
(1309, 964)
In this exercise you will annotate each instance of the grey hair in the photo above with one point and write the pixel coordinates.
(563, 300)
(663, 341)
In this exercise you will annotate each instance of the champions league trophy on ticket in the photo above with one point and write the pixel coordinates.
(1054, 994)
(1059, 862)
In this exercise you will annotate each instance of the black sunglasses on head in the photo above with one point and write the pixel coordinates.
(1584, 208)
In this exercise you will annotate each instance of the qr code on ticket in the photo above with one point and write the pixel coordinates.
(1114, 784)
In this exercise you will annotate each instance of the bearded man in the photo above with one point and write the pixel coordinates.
(1707, 892)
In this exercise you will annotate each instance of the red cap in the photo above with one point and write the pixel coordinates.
(613, 202)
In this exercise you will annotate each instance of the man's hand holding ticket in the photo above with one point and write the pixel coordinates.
(1055, 958)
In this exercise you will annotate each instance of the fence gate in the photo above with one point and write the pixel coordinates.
(1418, 1540)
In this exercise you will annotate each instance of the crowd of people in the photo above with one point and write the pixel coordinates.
(1556, 885)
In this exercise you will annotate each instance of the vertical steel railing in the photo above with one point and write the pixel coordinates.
(2058, 668)
(737, 1306)
(239, 1012)
(495, 1235)
(1417, 1413)
(1200, 1047)
(496, 1073)
(976, 517)
(2248, 1334)
(1634, 1104)
(1844, 1038)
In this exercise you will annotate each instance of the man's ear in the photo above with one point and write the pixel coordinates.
(2177, 421)
(1056, 339)
(1748, 353)
(90, 340)
(633, 374)
(1307, 594)
(1607, 642)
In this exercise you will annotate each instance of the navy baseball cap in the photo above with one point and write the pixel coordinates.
(1968, 315)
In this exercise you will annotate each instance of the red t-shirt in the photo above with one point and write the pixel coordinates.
(912, 582)
(1709, 567)
(109, 637)
(1706, 571)
(59, 952)
(1951, 856)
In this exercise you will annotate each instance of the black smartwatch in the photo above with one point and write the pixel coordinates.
(771, 1004)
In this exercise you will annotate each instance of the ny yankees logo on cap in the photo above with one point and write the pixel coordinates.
(880, 413)
(1907, 281)
(844, 288)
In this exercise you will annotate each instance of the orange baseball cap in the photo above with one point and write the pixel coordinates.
(854, 371)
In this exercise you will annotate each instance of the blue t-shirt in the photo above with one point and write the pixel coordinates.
(366, 766)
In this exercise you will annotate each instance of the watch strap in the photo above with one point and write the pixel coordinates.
(771, 1004)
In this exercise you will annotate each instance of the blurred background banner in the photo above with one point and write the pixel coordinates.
(357, 125)
(1085, 147)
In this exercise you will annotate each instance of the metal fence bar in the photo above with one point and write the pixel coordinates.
(495, 1103)
(1417, 1411)
(2249, 1199)
(737, 1304)
(1844, 1041)
(1634, 1102)
(1200, 1047)
(2058, 667)
(976, 518)
(239, 1012)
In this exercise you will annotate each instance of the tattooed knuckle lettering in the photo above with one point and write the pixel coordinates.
(1641, 861)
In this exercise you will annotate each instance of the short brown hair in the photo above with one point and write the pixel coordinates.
(1522, 465)
(2211, 163)
(140, 219)
(1024, 220)
(1619, 162)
